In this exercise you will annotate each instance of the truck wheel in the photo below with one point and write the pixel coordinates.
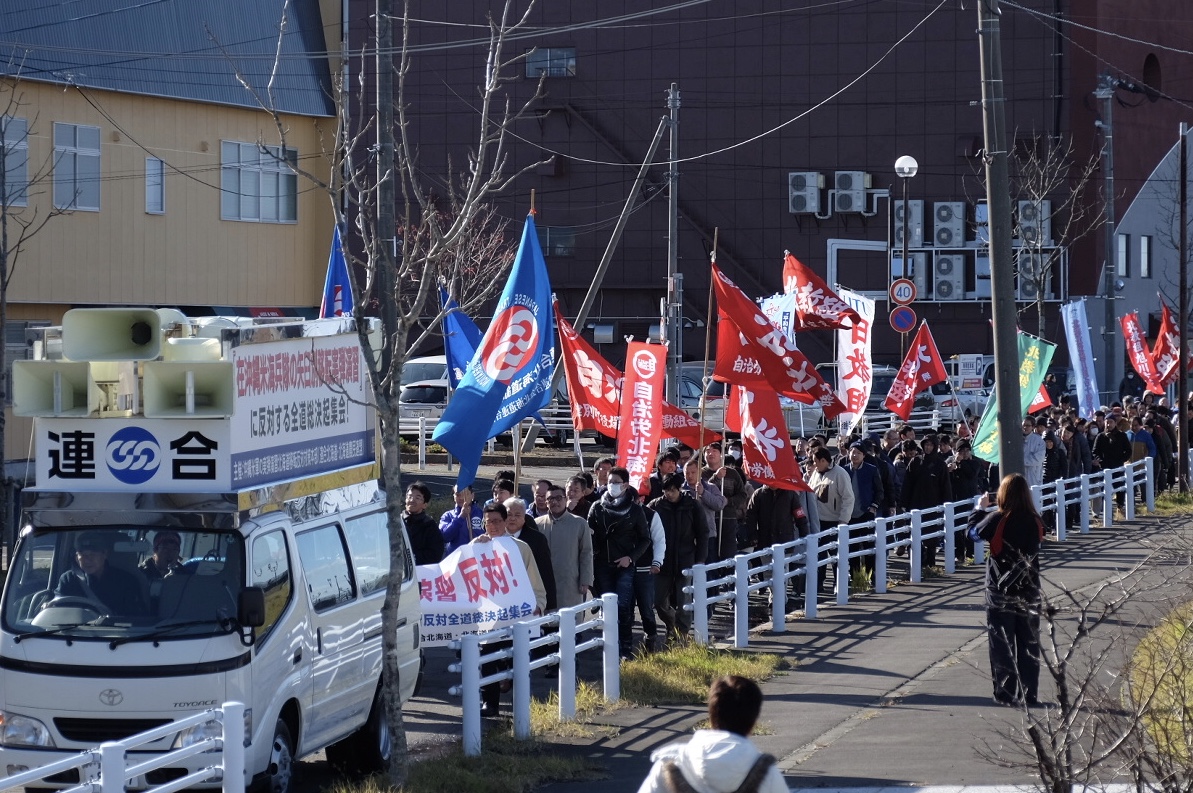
(376, 743)
(279, 776)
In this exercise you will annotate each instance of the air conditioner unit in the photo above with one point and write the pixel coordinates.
(1030, 278)
(948, 223)
(912, 217)
(1035, 222)
(981, 223)
(948, 272)
(849, 191)
(803, 192)
(918, 271)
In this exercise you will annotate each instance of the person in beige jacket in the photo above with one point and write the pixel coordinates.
(570, 539)
(833, 489)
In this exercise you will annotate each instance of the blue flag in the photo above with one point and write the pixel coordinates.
(461, 337)
(509, 376)
(337, 289)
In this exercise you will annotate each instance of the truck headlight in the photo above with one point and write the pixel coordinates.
(16, 730)
(193, 735)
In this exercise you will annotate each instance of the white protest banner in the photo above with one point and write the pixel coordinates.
(478, 587)
(855, 369)
(1081, 357)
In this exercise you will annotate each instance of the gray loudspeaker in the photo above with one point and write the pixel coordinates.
(53, 388)
(111, 334)
(203, 389)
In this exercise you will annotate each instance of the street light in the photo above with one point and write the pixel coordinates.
(906, 167)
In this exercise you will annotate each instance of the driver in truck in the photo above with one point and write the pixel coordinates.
(97, 581)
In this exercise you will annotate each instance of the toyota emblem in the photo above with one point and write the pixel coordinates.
(111, 697)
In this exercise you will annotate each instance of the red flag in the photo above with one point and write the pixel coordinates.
(1040, 401)
(751, 350)
(766, 445)
(594, 388)
(1138, 353)
(641, 411)
(1167, 352)
(816, 305)
(921, 368)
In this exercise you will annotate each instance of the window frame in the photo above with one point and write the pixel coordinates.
(550, 62)
(557, 241)
(76, 153)
(17, 146)
(155, 183)
(1145, 256)
(1122, 255)
(309, 567)
(244, 182)
(264, 631)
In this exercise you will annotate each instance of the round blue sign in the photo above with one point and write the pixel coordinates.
(134, 456)
(903, 319)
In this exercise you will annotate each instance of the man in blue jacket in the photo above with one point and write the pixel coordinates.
(462, 523)
(868, 497)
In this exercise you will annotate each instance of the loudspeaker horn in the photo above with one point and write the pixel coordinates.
(111, 334)
(53, 388)
(196, 389)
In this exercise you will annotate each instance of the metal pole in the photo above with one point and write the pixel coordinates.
(673, 285)
(1002, 273)
(386, 191)
(1182, 378)
(907, 232)
(1105, 93)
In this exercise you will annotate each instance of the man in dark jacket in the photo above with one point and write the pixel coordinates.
(620, 535)
(687, 544)
(868, 496)
(926, 485)
(426, 543)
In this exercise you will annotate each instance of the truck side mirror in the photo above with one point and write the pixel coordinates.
(250, 607)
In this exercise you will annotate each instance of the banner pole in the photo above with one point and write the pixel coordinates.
(707, 341)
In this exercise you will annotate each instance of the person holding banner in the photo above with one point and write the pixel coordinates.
(620, 536)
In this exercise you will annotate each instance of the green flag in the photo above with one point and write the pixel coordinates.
(1035, 355)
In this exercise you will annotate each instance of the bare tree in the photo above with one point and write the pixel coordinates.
(447, 233)
(22, 216)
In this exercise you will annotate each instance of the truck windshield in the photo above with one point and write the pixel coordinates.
(124, 582)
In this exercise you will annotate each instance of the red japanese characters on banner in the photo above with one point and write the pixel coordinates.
(1167, 352)
(1138, 353)
(816, 306)
(1040, 401)
(766, 446)
(594, 389)
(751, 350)
(921, 368)
(641, 412)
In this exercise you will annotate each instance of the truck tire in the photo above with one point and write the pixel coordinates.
(279, 776)
(368, 749)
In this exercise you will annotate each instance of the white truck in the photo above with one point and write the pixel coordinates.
(206, 526)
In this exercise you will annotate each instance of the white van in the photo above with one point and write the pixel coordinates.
(233, 545)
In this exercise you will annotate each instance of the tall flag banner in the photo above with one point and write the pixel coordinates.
(816, 306)
(1167, 352)
(923, 367)
(750, 351)
(337, 287)
(1138, 353)
(594, 389)
(1081, 357)
(509, 377)
(791, 274)
(642, 411)
(461, 337)
(1035, 355)
(767, 456)
(855, 369)
(1040, 401)
(780, 310)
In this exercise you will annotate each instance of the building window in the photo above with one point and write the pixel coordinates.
(155, 186)
(17, 348)
(1122, 255)
(76, 166)
(1145, 256)
(557, 240)
(258, 183)
(551, 61)
(16, 161)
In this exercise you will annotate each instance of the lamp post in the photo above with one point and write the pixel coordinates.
(906, 167)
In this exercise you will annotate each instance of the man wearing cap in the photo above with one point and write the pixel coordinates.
(96, 580)
(164, 562)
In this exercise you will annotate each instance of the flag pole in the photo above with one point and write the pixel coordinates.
(707, 340)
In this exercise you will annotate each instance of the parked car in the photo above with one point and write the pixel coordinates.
(958, 404)
(422, 399)
(427, 367)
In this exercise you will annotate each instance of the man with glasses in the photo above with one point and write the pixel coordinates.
(95, 580)
(570, 541)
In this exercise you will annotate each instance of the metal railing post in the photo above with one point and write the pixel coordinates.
(1129, 491)
(842, 573)
(422, 443)
(111, 767)
(521, 695)
(950, 538)
(470, 693)
(741, 601)
(232, 720)
(611, 674)
(1085, 501)
(1149, 467)
(915, 554)
(1062, 504)
(700, 603)
(880, 573)
(568, 616)
(811, 574)
(1107, 498)
(778, 588)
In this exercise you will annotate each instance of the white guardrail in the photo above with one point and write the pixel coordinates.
(570, 630)
(107, 770)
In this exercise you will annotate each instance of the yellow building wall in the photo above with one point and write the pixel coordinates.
(122, 255)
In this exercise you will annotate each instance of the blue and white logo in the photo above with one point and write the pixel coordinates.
(134, 455)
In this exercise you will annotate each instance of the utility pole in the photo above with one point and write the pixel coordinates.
(1182, 378)
(385, 243)
(1105, 93)
(673, 320)
(1002, 273)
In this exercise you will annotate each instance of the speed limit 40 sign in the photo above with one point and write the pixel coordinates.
(903, 291)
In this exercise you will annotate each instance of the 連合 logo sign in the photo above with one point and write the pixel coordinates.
(133, 456)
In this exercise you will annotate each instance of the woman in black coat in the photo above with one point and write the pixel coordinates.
(1014, 532)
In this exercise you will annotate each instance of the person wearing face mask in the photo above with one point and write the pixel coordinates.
(620, 536)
